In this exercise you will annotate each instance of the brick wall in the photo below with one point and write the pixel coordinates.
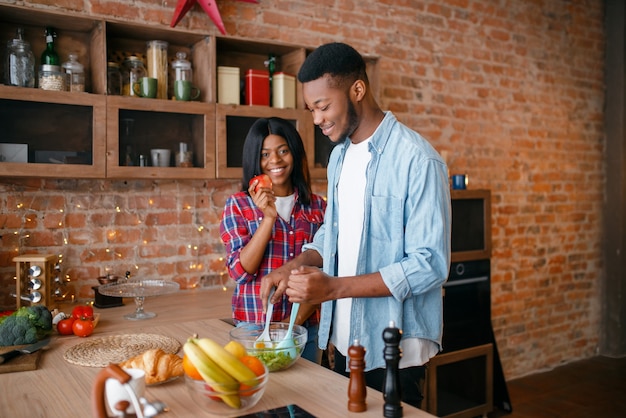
(511, 92)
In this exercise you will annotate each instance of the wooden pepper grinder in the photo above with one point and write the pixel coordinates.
(391, 383)
(356, 386)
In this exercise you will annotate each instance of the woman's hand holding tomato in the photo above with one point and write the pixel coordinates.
(260, 189)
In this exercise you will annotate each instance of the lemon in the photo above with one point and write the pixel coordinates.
(236, 349)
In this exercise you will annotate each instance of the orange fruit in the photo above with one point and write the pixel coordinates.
(190, 369)
(253, 364)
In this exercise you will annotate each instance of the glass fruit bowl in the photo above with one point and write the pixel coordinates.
(274, 358)
(227, 402)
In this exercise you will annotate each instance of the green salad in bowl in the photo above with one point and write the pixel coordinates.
(274, 358)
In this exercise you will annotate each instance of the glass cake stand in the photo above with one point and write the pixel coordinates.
(139, 289)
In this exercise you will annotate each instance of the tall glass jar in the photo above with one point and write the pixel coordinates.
(19, 67)
(75, 73)
(133, 72)
(157, 66)
(114, 79)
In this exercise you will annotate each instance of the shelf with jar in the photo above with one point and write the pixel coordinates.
(211, 128)
(246, 83)
(69, 136)
(181, 136)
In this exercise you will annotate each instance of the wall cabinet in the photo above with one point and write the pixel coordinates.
(94, 135)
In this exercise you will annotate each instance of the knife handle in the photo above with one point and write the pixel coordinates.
(9, 355)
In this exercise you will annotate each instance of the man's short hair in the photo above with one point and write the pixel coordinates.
(342, 62)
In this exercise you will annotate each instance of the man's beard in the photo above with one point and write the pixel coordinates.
(353, 122)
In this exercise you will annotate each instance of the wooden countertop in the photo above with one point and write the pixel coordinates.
(60, 389)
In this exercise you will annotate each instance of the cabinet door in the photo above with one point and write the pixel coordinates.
(136, 127)
(51, 134)
(232, 125)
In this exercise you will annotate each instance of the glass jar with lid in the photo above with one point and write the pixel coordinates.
(19, 68)
(157, 66)
(114, 79)
(133, 72)
(182, 67)
(52, 77)
(75, 73)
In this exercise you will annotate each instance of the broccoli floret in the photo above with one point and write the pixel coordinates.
(17, 330)
(39, 316)
(26, 326)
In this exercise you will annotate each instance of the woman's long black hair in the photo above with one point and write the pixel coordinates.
(251, 157)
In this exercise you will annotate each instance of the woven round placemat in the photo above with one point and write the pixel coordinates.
(102, 351)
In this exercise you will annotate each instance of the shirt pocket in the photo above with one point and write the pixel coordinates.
(386, 222)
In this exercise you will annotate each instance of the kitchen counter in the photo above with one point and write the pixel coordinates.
(60, 389)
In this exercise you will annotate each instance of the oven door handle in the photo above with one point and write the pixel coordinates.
(465, 281)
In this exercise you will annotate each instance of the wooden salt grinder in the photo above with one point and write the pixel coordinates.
(391, 383)
(356, 386)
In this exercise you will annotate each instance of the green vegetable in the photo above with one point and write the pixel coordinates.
(27, 325)
(275, 359)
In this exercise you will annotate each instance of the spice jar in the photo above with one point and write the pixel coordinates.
(133, 72)
(19, 68)
(51, 77)
(75, 72)
(157, 66)
(114, 79)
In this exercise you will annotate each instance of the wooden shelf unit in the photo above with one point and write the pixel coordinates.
(85, 127)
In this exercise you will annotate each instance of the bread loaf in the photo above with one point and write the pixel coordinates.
(158, 365)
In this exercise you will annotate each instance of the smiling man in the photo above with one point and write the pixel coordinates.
(384, 247)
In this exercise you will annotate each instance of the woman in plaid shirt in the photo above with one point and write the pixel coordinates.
(265, 228)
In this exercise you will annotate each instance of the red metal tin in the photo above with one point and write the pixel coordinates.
(258, 87)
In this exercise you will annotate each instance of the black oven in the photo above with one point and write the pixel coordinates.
(467, 309)
(467, 305)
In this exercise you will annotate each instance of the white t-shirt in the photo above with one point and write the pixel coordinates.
(351, 200)
(284, 206)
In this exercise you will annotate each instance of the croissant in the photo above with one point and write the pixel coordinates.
(158, 365)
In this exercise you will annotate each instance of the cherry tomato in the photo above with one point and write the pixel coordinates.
(82, 312)
(264, 181)
(64, 327)
(82, 327)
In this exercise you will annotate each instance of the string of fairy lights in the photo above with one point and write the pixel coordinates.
(111, 254)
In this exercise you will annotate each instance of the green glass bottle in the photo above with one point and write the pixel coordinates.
(49, 56)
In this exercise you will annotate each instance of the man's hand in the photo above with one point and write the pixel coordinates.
(279, 278)
(309, 285)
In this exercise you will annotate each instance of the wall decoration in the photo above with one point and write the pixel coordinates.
(210, 8)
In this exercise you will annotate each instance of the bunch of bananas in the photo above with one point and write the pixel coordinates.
(222, 370)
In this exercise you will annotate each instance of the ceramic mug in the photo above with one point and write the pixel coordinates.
(117, 392)
(459, 181)
(160, 157)
(147, 87)
(185, 91)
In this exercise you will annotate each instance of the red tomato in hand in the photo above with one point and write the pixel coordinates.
(264, 181)
(82, 327)
(64, 326)
(82, 311)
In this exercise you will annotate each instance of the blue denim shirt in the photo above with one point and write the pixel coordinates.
(406, 237)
